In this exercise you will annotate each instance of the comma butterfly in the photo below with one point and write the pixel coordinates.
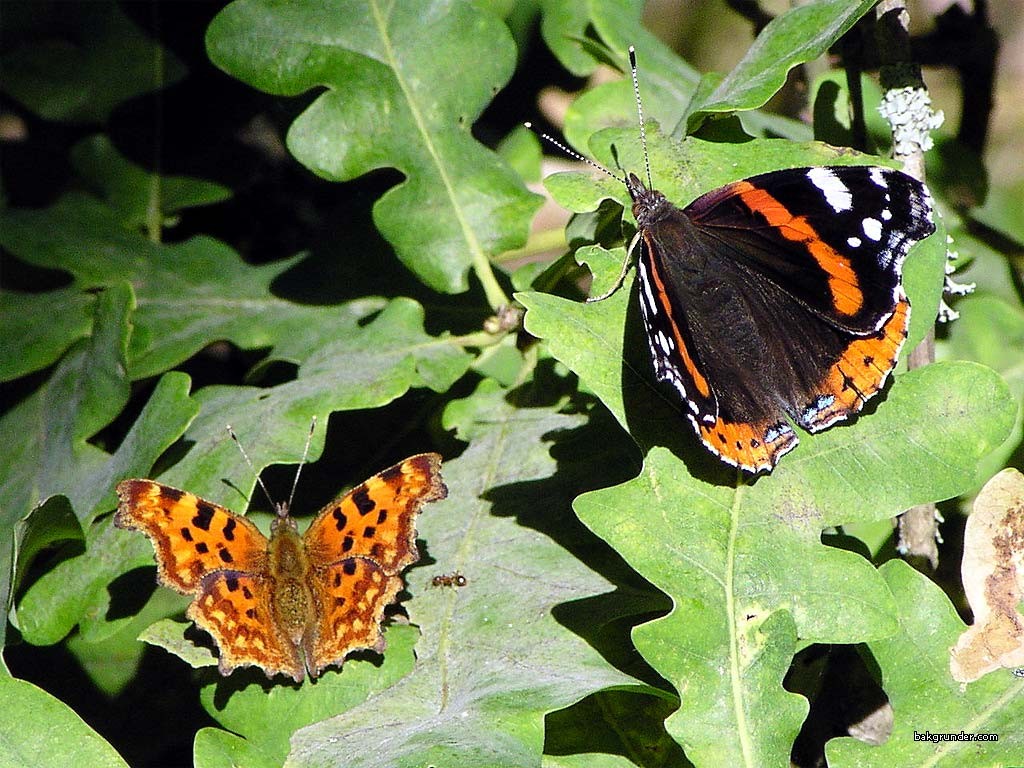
(291, 604)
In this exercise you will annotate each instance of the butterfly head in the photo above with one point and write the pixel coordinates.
(648, 204)
(283, 519)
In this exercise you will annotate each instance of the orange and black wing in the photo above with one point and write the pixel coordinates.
(235, 608)
(191, 537)
(357, 547)
(351, 597)
(377, 519)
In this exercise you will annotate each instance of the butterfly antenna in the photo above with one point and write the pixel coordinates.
(647, 163)
(305, 454)
(248, 461)
(574, 154)
(640, 114)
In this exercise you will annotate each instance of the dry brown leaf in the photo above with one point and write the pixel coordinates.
(993, 579)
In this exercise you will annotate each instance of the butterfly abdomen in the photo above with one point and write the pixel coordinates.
(291, 599)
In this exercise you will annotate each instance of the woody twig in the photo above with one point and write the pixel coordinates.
(908, 109)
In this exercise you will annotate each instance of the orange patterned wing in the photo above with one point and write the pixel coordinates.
(357, 546)
(351, 596)
(235, 609)
(191, 537)
(377, 519)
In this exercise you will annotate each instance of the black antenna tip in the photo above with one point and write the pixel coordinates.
(632, 57)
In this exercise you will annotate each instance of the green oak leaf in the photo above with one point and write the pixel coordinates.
(40, 730)
(133, 191)
(926, 700)
(266, 719)
(391, 102)
(743, 559)
(365, 369)
(102, 59)
(803, 33)
(188, 295)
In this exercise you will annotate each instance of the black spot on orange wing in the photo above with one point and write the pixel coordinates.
(361, 498)
(393, 477)
(171, 493)
(858, 375)
(752, 447)
(203, 517)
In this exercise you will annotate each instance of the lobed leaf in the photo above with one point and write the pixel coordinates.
(134, 192)
(914, 669)
(39, 730)
(101, 59)
(803, 33)
(391, 102)
(266, 717)
(188, 295)
(366, 369)
(744, 565)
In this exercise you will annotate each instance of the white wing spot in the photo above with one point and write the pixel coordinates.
(872, 228)
(886, 214)
(853, 242)
(645, 283)
(836, 193)
(877, 175)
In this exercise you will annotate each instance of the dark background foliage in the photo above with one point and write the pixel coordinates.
(588, 547)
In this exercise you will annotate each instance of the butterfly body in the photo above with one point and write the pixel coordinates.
(291, 604)
(291, 598)
(777, 299)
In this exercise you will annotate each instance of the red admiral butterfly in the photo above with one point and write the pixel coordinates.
(777, 296)
(780, 295)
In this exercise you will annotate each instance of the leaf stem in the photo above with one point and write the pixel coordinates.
(477, 339)
(539, 242)
(496, 297)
